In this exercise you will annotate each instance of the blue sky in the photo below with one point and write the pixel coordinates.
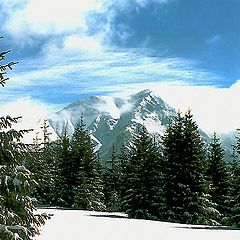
(73, 49)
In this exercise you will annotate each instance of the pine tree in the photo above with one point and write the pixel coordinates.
(187, 199)
(143, 196)
(217, 172)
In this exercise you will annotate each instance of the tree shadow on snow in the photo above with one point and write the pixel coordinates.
(108, 216)
(209, 227)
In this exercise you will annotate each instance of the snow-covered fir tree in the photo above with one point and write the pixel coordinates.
(18, 219)
(143, 197)
(218, 174)
(187, 199)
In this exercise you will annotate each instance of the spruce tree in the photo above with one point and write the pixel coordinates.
(187, 199)
(235, 184)
(43, 164)
(64, 172)
(143, 196)
(217, 172)
(87, 177)
(17, 217)
(124, 173)
(112, 182)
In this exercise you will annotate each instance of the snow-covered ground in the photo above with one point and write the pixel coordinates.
(87, 225)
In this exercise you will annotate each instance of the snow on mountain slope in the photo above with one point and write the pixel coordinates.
(113, 120)
(87, 225)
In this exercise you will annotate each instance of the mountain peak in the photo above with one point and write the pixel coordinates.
(143, 94)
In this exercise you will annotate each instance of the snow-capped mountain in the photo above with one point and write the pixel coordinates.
(113, 120)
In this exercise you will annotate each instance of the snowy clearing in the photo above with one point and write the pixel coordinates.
(87, 225)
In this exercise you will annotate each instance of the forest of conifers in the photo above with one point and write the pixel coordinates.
(178, 178)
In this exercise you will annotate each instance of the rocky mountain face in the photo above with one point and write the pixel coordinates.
(113, 120)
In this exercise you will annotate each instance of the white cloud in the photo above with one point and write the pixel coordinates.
(32, 113)
(77, 43)
(65, 23)
(29, 109)
(51, 17)
(34, 17)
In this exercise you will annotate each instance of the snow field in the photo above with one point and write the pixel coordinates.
(87, 225)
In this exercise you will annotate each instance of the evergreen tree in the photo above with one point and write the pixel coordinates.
(87, 177)
(78, 172)
(235, 185)
(112, 182)
(124, 173)
(4, 67)
(219, 178)
(64, 172)
(187, 199)
(17, 217)
(143, 197)
(43, 164)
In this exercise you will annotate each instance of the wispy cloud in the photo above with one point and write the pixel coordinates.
(82, 73)
(215, 39)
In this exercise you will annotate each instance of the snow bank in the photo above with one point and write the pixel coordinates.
(87, 225)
